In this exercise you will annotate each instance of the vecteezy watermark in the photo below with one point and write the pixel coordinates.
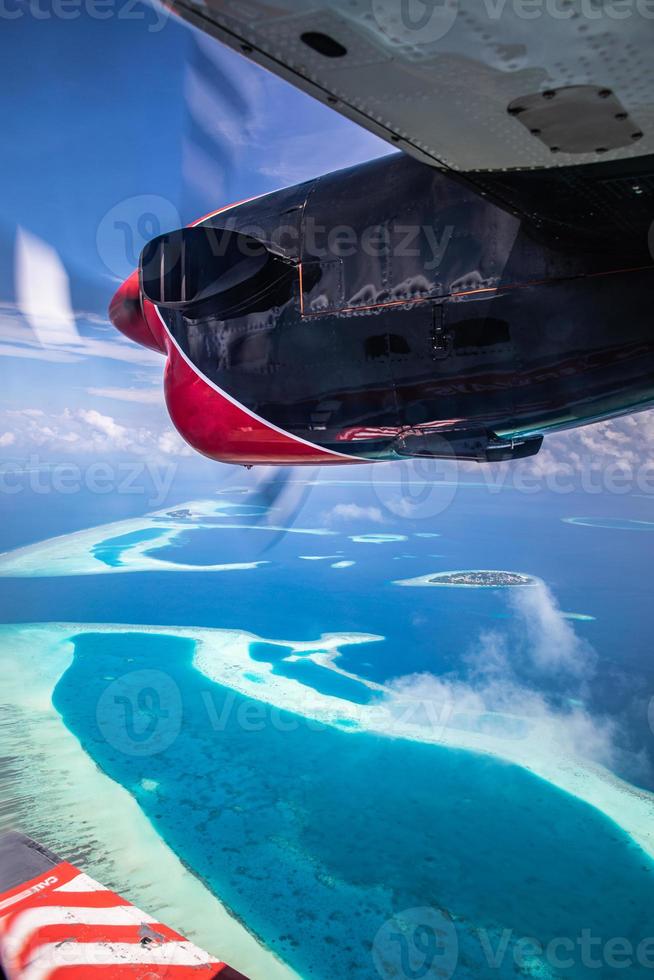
(415, 21)
(397, 239)
(397, 713)
(417, 944)
(422, 943)
(591, 10)
(403, 712)
(587, 950)
(131, 224)
(154, 15)
(137, 706)
(416, 489)
(141, 477)
(252, 717)
(418, 23)
(426, 243)
(421, 488)
(140, 713)
(564, 10)
(650, 715)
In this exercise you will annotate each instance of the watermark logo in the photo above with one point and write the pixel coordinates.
(415, 22)
(148, 478)
(421, 488)
(416, 489)
(140, 713)
(154, 15)
(128, 226)
(423, 22)
(417, 944)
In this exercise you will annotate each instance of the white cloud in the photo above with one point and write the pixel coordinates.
(145, 396)
(20, 340)
(7, 439)
(614, 456)
(87, 431)
(549, 643)
(38, 354)
(170, 443)
(626, 441)
(504, 674)
(353, 512)
(571, 732)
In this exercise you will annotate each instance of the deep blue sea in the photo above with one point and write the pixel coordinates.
(317, 837)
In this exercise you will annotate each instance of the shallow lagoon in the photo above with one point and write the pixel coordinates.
(111, 550)
(318, 836)
(313, 675)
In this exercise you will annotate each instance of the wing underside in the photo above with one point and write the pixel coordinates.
(471, 85)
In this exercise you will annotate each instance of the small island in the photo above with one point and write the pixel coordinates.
(474, 578)
(482, 578)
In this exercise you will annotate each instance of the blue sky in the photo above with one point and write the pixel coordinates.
(115, 130)
(97, 112)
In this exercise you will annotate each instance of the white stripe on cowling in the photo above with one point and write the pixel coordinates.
(33, 890)
(82, 883)
(56, 956)
(28, 922)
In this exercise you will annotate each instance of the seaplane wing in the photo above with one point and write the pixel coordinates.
(469, 85)
(57, 923)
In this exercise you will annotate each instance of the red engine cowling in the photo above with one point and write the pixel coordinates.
(209, 419)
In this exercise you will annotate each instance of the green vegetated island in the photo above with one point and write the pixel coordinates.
(486, 579)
